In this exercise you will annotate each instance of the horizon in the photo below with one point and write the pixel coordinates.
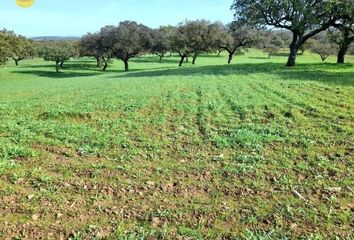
(69, 19)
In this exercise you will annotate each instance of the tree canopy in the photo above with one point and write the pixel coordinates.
(235, 36)
(58, 52)
(127, 40)
(4, 47)
(304, 18)
(192, 38)
(92, 45)
(161, 40)
(14, 46)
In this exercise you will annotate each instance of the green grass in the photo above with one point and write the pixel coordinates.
(211, 151)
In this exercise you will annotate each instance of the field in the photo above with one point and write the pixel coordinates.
(251, 150)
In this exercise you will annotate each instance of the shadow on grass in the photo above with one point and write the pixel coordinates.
(155, 59)
(260, 58)
(74, 71)
(61, 74)
(320, 72)
(79, 65)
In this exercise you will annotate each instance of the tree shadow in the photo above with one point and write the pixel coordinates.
(155, 59)
(281, 54)
(69, 66)
(305, 72)
(61, 74)
(260, 58)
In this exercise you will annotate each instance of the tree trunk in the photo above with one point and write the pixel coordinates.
(187, 60)
(16, 62)
(182, 60)
(105, 65)
(323, 57)
(194, 58)
(294, 48)
(342, 52)
(230, 57)
(292, 57)
(126, 65)
(98, 62)
(161, 56)
(57, 66)
(219, 52)
(61, 64)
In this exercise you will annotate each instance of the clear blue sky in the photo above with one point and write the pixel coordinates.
(77, 17)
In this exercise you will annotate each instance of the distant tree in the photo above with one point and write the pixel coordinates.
(286, 37)
(192, 38)
(89, 46)
(127, 40)
(93, 45)
(58, 52)
(181, 42)
(237, 36)
(206, 36)
(169, 30)
(323, 47)
(304, 18)
(161, 43)
(306, 46)
(272, 42)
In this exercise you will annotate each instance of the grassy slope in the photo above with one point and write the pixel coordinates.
(206, 151)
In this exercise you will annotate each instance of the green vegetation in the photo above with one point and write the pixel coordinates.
(251, 150)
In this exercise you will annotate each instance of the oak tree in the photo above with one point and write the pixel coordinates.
(237, 36)
(304, 18)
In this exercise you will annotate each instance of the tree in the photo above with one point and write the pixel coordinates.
(15, 46)
(323, 47)
(92, 45)
(160, 42)
(89, 46)
(20, 47)
(236, 36)
(206, 36)
(57, 51)
(304, 18)
(192, 38)
(272, 43)
(181, 40)
(342, 32)
(127, 40)
(5, 50)
(219, 51)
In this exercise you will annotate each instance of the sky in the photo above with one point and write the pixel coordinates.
(77, 17)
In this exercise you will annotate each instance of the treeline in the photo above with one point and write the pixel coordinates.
(324, 27)
(18, 48)
(188, 39)
(192, 38)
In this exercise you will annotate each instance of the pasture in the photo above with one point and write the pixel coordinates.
(251, 150)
